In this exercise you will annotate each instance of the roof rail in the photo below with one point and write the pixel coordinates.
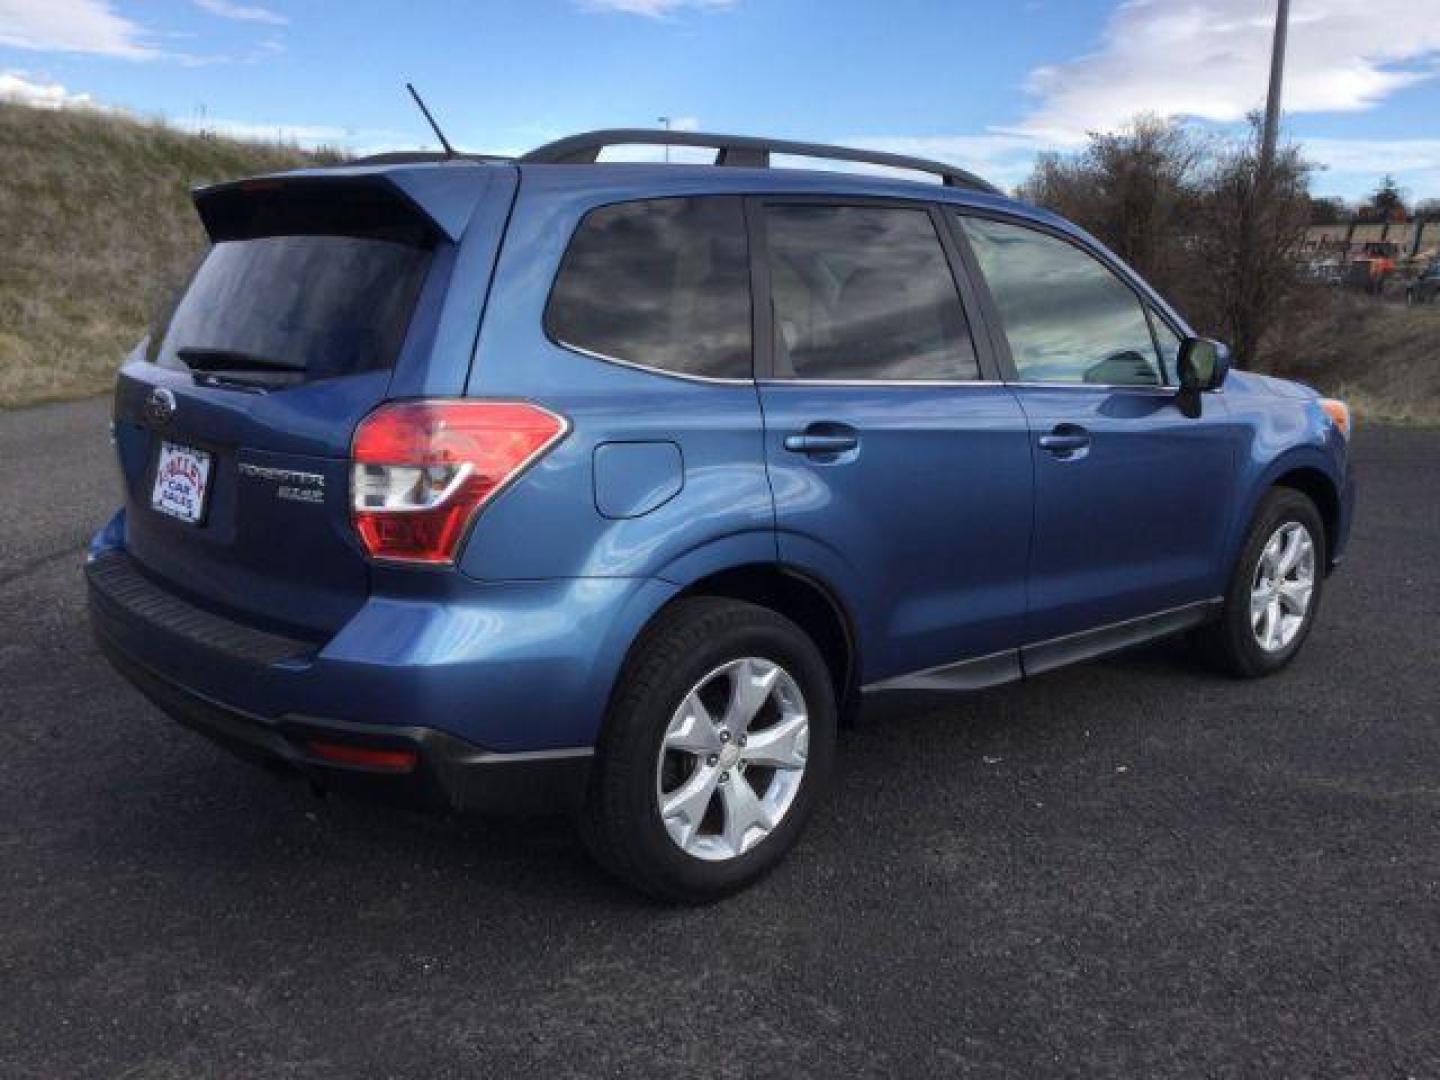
(740, 150)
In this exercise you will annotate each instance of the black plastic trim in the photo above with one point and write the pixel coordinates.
(117, 583)
(1088, 644)
(995, 669)
(450, 774)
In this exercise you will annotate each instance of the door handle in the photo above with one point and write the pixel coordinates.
(816, 439)
(1067, 441)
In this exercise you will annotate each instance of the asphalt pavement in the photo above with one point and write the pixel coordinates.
(1133, 868)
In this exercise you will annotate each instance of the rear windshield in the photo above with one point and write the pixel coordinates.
(310, 307)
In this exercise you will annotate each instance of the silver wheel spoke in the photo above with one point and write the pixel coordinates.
(744, 812)
(693, 731)
(751, 684)
(1296, 541)
(1272, 623)
(780, 746)
(684, 809)
(1271, 559)
(1294, 596)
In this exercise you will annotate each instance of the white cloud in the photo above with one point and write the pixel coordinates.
(1210, 59)
(655, 9)
(79, 26)
(1375, 156)
(244, 12)
(18, 86)
(1354, 166)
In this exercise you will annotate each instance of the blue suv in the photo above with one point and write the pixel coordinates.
(552, 483)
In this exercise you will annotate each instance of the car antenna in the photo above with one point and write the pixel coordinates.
(449, 150)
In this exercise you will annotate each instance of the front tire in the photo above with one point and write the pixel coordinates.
(1274, 592)
(719, 739)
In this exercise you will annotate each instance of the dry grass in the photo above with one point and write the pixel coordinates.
(96, 228)
(1383, 358)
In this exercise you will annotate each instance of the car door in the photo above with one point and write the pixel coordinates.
(899, 462)
(1132, 497)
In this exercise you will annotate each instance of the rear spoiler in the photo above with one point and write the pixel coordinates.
(419, 204)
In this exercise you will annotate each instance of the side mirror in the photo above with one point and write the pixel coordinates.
(1203, 365)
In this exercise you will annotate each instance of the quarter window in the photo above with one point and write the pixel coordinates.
(662, 283)
(1067, 317)
(865, 293)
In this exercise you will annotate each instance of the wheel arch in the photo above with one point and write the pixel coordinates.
(803, 599)
(1320, 489)
(745, 567)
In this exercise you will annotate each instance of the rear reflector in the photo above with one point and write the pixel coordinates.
(343, 754)
(423, 469)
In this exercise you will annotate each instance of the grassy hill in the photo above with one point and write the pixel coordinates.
(1382, 358)
(96, 228)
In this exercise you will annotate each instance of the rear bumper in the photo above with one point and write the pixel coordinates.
(442, 772)
(490, 695)
(507, 668)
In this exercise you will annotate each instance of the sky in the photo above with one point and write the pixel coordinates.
(985, 85)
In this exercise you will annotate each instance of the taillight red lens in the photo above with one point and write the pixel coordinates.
(422, 469)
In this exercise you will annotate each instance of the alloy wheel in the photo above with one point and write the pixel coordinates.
(732, 759)
(1283, 587)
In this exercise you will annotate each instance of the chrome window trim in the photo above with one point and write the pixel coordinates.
(1167, 389)
(593, 355)
(880, 382)
(1148, 388)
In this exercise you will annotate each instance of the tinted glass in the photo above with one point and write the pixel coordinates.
(317, 306)
(1067, 317)
(864, 292)
(663, 283)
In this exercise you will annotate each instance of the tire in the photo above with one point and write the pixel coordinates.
(1234, 641)
(704, 648)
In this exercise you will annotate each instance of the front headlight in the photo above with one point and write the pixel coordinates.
(1339, 414)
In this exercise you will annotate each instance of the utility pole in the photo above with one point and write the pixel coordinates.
(1277, 77)
(666, 120)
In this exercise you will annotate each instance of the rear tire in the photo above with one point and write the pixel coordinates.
(1274, 593)
(690, 799)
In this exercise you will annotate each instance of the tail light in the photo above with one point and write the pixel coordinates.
(423, 469)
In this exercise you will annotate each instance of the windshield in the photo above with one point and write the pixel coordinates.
(313, 306)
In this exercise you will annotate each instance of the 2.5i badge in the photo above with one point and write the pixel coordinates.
(182, 480)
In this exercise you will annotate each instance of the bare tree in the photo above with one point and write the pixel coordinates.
(1200, 218)
(1249, 232)
(1132, 189)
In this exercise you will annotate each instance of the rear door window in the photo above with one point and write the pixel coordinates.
(661, 283)
(864, 293)
(295, 308)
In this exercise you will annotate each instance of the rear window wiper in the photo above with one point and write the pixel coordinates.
(203, 358)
